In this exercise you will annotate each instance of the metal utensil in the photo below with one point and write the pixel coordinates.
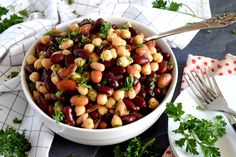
(220, 20)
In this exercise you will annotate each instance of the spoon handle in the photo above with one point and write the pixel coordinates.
(220, 20)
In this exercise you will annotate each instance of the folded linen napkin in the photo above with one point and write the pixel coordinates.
(15, 41)
(226, 66)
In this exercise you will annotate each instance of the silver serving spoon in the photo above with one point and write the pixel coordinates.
(220, 20)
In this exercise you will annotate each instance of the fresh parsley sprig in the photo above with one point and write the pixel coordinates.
(105, 27)
(197, 132)
(129, 82)
(13, 144)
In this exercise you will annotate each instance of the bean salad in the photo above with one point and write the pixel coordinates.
(97, 74)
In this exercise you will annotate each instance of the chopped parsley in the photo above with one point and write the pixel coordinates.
(129, 82)
(24, 13)
(105, 27)
(17, 121)
(140, 46)
(3, 11)
(197, 132)
(13, 144)
(58, 116)
(13, 74)
(59, 93)
(85, 39)
(70, 2)
(6, 23)
(125, 25)
(233, 31)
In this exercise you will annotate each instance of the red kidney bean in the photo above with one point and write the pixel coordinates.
(85, 22)
(140, 60)
(112, 80)
(38, 48)
(136, 81)
(166, 56)
(129, 118)
(137, 88)
(51, 87)
(129, 41)
(50, 110)
(67, 111)
(150, 92)
(128, 47)
(69, 59)
(104, 47)
(105, 89)
(49, 51)
(42, 104)
(109, 63)
(139, 101)
(114, 26)
(102, 125)
(56, 58)
(157, 91)
(142, 93)
(81, 53)
(88, 106)
(117, 70)
(94, 115)
(133, 31)
(153, 74)
(97, 25)
(130, 105)
(162, 67)
(29, 68)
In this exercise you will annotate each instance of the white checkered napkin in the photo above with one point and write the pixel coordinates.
(17, 40)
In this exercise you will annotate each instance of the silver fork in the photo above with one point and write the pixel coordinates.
(208, 93)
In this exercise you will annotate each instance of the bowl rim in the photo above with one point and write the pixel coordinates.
(29, 98)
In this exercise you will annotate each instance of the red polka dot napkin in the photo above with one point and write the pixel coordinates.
(226, 66)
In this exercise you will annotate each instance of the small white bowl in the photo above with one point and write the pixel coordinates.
(109, 136)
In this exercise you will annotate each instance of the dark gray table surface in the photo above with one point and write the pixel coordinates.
(216, 44)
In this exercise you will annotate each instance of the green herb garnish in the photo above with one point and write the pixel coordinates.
(136, 148)
(85, 39)
(89, 20)
(58, 40)
(129, 81)
(233, 31)
(197, 132)
(13, 74)
(125, 25)
(17, 121)
(6, 23)
(70, 2)
(58, 116)
(24, 13)
(59, 93)
(175, 6)
(105, 27)
(13, 144)
(200, 108)
(3, 11)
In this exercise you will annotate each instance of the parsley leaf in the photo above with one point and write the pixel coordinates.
(105, 27)
(126, 25)
(85, 39)
(197, 132)
(3, 11)
(17, 121)
(24, 13)
(161, 4)
(174, 6)
(6, 23)
(59, 93)
(13, 143)
(70, 2)
(58, 116)
(233, 31)
(13, 74)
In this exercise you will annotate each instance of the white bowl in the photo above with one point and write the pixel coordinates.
(112, 135)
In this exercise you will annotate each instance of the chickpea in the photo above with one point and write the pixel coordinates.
(138, 39)
(123, 61)
(102, 110)
(106, 55)
(125, 34)
(74, 27)
(35, 76)
(131, 93)
(122, 51)
(116, 121)
(83, 90)
(119, 95)
(46, 63)
(88, 123)
(118, 32)
(111, 103)
(30, 59)
(81, 118)
(66, 52)
(79, 61)
(92, 94)
(153, 103)
(79, 100)
(153, 50)
(131, 69)
(75, 76)
(97, 42)
(94, 57)
(110, 31)
(146, 69)
(66, 43)
(154, 66)
(151, 44)
(137, 66)
(111, 36)
(89, 47)
(149, 56)
(79, 110)
(117, 41)
(121, 109)
(113, 53)
(36, 94)
(97, 66)
(56, 67)
(137, 74)
(102, 99)
(157, 57)
(96, 76)
(45, 39)
(41, 87)
(141, 50)
(38, 64)
(42, 54)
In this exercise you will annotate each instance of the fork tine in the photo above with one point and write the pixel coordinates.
(216, 87)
